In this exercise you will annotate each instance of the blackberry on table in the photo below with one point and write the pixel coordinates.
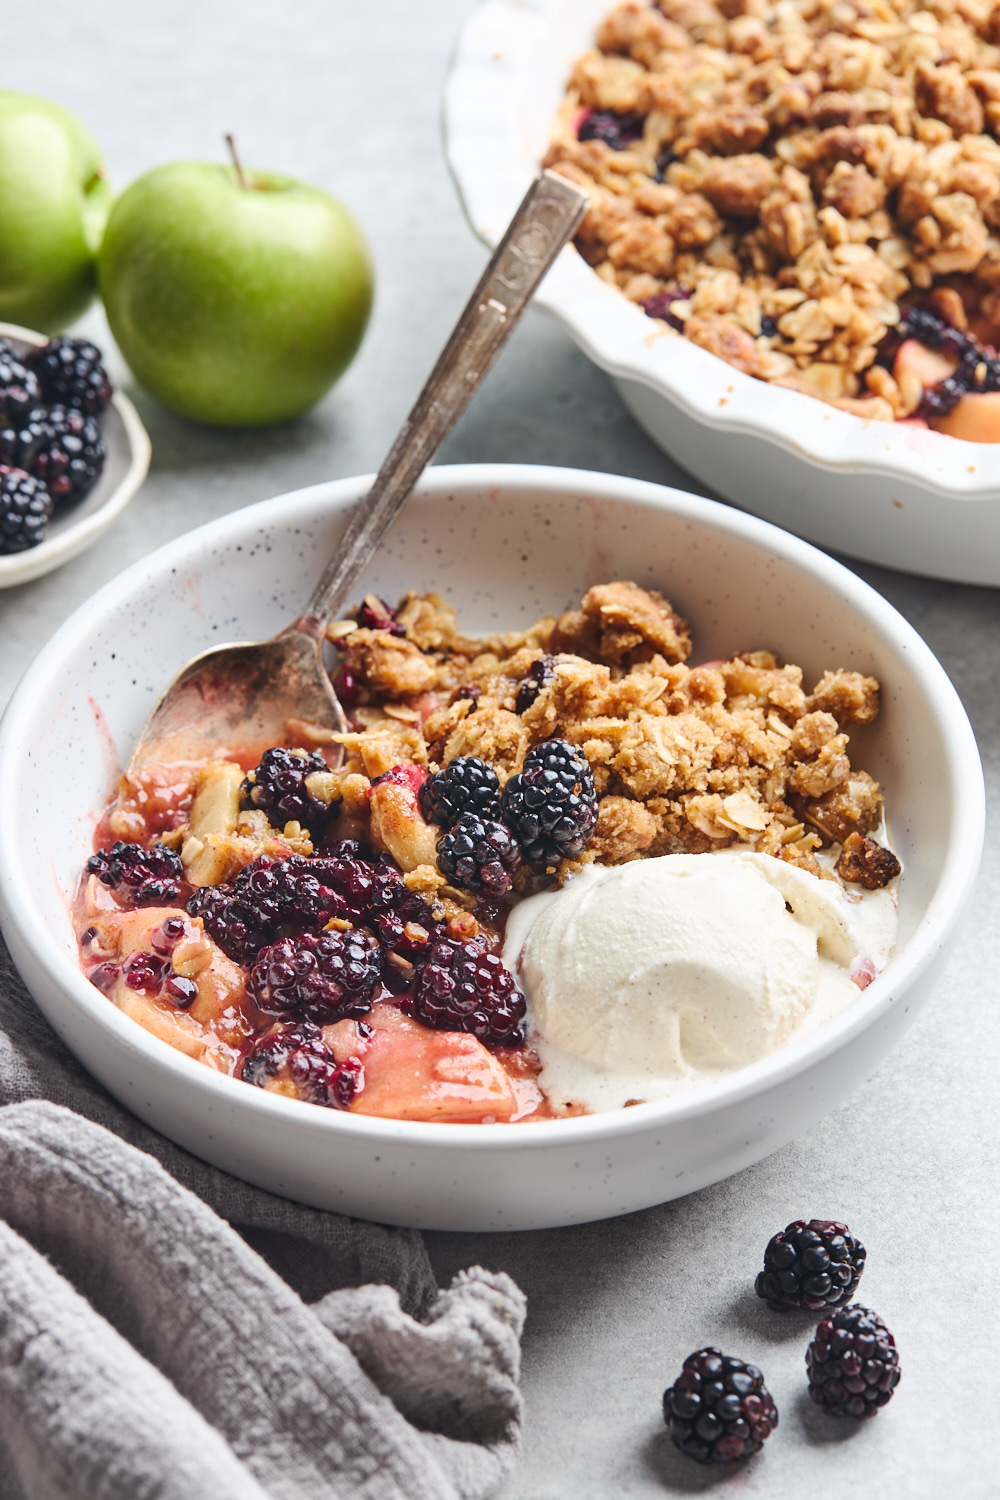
(814, 1265)
(317, 976)
(539, 675)
(143, 877)
(551, 805)
(465, 785)
(461, 987)
(25, 509)
(618, 131)
(719, 1408)
(70, 373)
(278, 788)
(20, 391)
(852, 1363)
(267, 900)
(479, 855)
(300, 1056)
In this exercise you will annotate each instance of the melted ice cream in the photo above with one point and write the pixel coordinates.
(646, 978)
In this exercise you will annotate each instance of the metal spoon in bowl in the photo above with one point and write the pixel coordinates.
(245, 694)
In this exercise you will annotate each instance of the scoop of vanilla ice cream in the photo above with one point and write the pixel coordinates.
(664, 970)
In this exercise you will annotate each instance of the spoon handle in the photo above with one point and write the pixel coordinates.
(548, 215)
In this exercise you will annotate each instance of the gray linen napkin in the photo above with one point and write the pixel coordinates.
(150, 1352)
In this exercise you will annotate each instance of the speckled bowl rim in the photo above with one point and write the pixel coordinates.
(492, 163)
(956, 880)
(76, 535)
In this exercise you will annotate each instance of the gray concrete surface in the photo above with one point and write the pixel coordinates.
(347, 95)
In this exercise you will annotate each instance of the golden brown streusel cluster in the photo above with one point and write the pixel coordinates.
(685, 759)
(804, 166)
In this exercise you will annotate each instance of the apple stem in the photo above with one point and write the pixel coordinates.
(241, 176)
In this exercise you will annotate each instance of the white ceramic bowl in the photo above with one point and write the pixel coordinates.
(505, 544)
(78, 526)
(896, 495)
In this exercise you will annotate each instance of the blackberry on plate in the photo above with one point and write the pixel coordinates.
(719, 1408)
(298, 1055)
(20, 391)
(143, 877)
(278, 788)
(852, 1363)
(317, 976)
(479, 855)
(551, 805)
(70, 373)
(465, 785)
(539, 675)
(267, 900)
(815, 1265)
(25, 509)
(618, 131)
(461, 987)
(70, 454)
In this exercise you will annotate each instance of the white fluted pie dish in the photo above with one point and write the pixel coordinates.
(892, 494)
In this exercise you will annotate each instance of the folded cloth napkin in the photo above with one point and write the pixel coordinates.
(148, 1351)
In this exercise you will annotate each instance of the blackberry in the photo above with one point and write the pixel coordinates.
(70, 455)
(375, 614)
(278, 787)
(70, 373)
(815, 1265)
(466, 785)
(933, 332)
(317, 976)
(461, 987)
(479, 855)
(661, 306)
(719, 1408)
(852, 1363)
(25, 509)
(551, 805)
(299, 1055)
(539, 675)
(143, 877)
(267, 900)
(20, 391)
(345, 685)
(62, 447)
(145, 972)
(617, 131)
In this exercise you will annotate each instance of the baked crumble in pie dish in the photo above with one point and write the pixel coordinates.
(809, 191)
(329, 920)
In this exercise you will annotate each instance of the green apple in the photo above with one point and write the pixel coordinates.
(237, 297)
(54, 201)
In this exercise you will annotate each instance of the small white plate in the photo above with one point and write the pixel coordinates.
(77, 527)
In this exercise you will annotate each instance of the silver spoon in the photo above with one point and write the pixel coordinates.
(245, 694)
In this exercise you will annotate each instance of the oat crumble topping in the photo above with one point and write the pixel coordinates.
(777, 178)
(685, 759)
